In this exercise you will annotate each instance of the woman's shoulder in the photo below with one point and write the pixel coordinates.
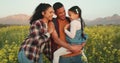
(38, 22)
(51, 24)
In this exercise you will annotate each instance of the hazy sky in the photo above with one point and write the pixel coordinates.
(91, 8)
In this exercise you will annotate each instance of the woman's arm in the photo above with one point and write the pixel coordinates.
(37, 31)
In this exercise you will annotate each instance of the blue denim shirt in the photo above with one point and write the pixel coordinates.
(78, 39)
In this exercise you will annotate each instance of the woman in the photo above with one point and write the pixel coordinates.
(33, 45)
(37, 41)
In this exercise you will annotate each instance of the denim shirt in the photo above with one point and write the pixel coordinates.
(78, 39)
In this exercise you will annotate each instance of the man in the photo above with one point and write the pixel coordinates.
(59, 22)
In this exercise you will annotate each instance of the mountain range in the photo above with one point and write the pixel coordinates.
(114, 19)
(18, 19)
(23, 19)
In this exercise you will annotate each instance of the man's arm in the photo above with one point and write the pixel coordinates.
(56, 38)
(82, 45)
(54, 35)
(76, 53)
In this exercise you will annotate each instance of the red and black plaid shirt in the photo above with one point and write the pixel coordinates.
(37, 42)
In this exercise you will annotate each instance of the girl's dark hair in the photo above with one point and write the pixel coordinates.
(38, 12)
(77, 10)
(57, 5)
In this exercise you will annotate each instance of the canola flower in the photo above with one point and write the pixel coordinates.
(102, 45)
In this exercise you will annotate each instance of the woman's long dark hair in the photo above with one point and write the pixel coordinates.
(77, 10)
(38, 12)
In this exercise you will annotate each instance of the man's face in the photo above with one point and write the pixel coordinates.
(61, 13)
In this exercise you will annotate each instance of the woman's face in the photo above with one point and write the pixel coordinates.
(48, 14)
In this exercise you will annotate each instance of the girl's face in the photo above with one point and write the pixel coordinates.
(48, 14)
(73, 15)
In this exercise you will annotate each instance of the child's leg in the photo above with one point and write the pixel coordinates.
(84, 56)
(58, 53)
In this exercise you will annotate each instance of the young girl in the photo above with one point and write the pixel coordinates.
(75, 34)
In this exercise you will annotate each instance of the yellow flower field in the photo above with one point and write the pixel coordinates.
(103, 44)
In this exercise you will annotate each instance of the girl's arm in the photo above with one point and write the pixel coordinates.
(73, 29)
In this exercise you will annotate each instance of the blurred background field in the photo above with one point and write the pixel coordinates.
(103, 45)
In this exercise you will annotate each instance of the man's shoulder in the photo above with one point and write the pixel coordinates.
(54, 20)
(68, 19)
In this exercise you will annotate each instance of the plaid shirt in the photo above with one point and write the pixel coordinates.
(37, 41)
